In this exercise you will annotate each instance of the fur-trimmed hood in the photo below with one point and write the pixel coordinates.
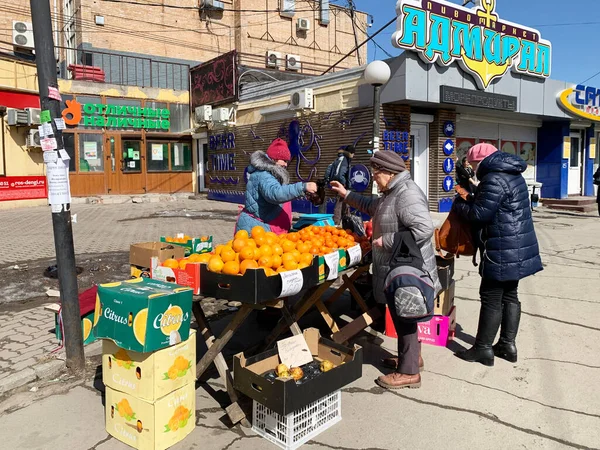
(260, 162)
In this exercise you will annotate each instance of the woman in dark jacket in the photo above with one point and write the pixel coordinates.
(597, 183)
(465, 175)
(508, 246)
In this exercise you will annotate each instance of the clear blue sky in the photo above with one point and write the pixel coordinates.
(575, 49)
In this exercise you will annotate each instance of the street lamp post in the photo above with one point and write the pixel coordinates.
(377, 73)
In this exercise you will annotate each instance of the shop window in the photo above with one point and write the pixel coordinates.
(157, 158)
(575, 150)
(180, 117)
(69, 144)
(91, 157)
(181, 157)
(132, 158)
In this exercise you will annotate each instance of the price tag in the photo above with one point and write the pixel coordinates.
(60, 123)
(294, 351)
(291, 283)
(355, 254)
(333, 261)
(49, 144)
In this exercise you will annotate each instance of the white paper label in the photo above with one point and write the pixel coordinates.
(56, 208)
(291, 283)
(64, 155)
(54, 93)
(157, 152)
(90, 150)
(332, 260)
(132, 164)
(50, 157)
(59, 191)
(294, 351)
(60, 123)
(355, 254)
(180, 235)
(49, 144)
(45, 129)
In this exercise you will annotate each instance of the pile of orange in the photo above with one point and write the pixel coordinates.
(185, 239)
(182, 263)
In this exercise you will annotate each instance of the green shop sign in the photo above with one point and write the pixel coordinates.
(116, 116)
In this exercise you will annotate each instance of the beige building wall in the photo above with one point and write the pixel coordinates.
(179, 30)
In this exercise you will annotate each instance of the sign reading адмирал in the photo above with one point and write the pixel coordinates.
(457, 96)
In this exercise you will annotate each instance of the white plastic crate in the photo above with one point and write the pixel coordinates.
(291, 431)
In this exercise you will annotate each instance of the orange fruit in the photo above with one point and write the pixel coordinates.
(251, 243)
(326, 250)
(277, 249)
(247, 253)
(294, 237)
(287, 257)
(231, 268)
(169, 239)
(239, 244)
(269, 272)
(257, 253)
(303, 266)
(265, 261)
(248, 264)
(215, 264)
(276, 261)
(303, 247)
(183, 263)
(227, 254)
(171, 263)
(266, 250)
(271, 238)
(242, 234)
(297, 255)
(193, 257)
(204, 258)
(260, 241)
(314, 250)
(288, 246)
(257, 231)
(280, 269)
(342, 242)
(306, 258)
(219, 249)
(290, 265)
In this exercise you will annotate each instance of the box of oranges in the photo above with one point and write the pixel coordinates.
(143, 315)
(151, 426)
(190, 244)
(149, 376)
(184, 271)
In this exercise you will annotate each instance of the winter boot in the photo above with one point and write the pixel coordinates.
(482, 352)
(506, 347)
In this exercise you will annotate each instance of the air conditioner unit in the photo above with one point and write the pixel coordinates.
(213, 4)
(22, 34)
(33, 116)
(302, 99)
(16, 117)
(203, 114)
(293, 62)
(33, 139)
(220, 115)
(303, 25)
(274, 59)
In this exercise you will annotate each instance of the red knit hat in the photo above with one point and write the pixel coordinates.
(278, 150)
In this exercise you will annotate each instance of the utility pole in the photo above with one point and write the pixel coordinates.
(58, 186)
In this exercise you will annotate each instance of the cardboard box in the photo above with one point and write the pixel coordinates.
(138, 271)
(444, 302)
(254, 287)
(149, 376)
(284, 397)
(86, 325)
(151, 426)
(143, 315)
(343, 265)
(439, 330)
(140, 254)
(190, 276)
(195, 245)
(445, 268)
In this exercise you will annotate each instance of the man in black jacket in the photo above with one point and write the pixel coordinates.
(339, 171)
(508, 247)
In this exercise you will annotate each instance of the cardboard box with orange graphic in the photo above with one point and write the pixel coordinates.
(190, 276)
(151, 426)
(149, 376)
(143, 315)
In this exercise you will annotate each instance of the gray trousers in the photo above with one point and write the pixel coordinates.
(409, 347)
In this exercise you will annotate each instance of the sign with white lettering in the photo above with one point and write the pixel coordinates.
(483, 45)
(487, 100)
(581, 101)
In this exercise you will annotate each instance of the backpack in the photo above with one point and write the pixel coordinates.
(408, 287)
(454, 237)
(333, 170)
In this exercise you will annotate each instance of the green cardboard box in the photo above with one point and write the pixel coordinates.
(142, 314)
(195, 245)
(86, 326)
(343, 264)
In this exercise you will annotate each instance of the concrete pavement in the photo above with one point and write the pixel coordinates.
(548, 400)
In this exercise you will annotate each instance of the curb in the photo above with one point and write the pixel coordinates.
(42, 371)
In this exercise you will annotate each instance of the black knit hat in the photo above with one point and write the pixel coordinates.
(389, 161)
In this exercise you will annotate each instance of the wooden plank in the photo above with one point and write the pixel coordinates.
(329, 320)
(356, 326)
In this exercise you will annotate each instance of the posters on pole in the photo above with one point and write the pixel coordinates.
(59, 190)
(60, 123)
(49, 144)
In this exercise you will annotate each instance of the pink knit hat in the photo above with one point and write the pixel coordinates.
(479, 152)
(278, 150)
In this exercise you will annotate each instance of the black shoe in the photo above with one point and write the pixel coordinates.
(483, 355)
(506, 350)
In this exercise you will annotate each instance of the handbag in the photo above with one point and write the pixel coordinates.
(454, 237)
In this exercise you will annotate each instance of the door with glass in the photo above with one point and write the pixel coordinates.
(132, 179)
(576, 164)
(419, 162)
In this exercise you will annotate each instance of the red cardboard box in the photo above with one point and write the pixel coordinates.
(189, 277)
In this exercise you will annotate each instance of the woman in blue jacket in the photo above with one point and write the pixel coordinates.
(508, 246)
(268, 194)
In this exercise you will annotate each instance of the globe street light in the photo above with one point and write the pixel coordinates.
(377, 73)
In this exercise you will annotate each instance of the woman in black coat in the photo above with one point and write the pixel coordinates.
(597, 183)
(508, 247)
